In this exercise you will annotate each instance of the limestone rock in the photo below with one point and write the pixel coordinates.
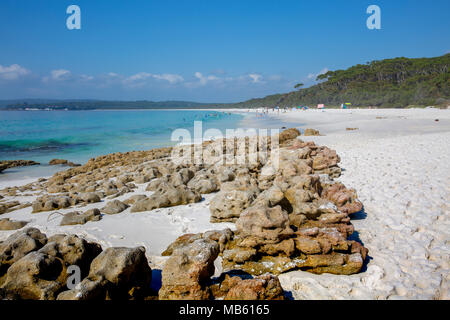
(73, 218)
(54, 162)
(114, 207)
(311, 132)
(47, 203)
(288, 134)
(7, 224)
(204, 182)
(264, 287)
(220, 236)
(9, 206)
(18, 245)
(167, 196)
(36, 276)
(267, 224)
(187, 272)
(16, 163)
(90, 197)
(42, 274)
(345, 199)
(133, 199)
(227, 205)
(117, 273)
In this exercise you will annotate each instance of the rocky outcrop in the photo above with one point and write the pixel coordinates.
(16, 163)
(187, 272)
(117, 273)
(6, 207)
(133, 199)
(264, 287)
(18, 245)
(55, 162)
(288, 134)
(346, 200)
(265, 242)
(37, 268)
(73, 218)
(204, 182)
(289, 214)
(167, 196)
(300, 222)
(7, 224)
(311, 132)
(228, 204)
(49, 203)
(219, 236)
(114, 207)
(42, 274)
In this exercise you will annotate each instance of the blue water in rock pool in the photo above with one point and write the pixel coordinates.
(80, 135)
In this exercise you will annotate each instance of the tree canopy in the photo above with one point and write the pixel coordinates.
(398, 82)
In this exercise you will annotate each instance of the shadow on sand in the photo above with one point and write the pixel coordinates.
(360, 215)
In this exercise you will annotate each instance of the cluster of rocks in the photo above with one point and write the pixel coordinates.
(311, 132)
(187, 274)
(8, 206)
(8, 224)
(55, 162)
(16, 163)
(75, 217)
(35, 267)
(250, 185)
(290, 216)
(49, 203)
(289, 212)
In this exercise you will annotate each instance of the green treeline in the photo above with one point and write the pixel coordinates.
(398, 82)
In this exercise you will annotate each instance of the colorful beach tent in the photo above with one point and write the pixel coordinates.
(320, 106)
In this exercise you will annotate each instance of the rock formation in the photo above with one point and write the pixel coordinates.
(7, 224)
(42, 274)
(289, 213)
(311, 132)
(114, 207)
(54, 162)
(188, 270)
(35, 267)
(116, 273)
(16, 163)
(264, 287)
(76, 217)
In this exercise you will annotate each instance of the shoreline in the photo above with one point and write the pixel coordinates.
(399, 165)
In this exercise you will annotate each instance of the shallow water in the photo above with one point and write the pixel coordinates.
(81, 135)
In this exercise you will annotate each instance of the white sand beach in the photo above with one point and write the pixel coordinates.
(397, 160)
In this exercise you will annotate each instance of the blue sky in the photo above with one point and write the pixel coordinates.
(207, 51)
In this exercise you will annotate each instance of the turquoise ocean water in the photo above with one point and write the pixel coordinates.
(80, 135)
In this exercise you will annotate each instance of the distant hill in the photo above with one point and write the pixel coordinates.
(98, 104)
(398, 82)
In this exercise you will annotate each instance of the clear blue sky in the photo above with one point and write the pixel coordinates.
(209, 51)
